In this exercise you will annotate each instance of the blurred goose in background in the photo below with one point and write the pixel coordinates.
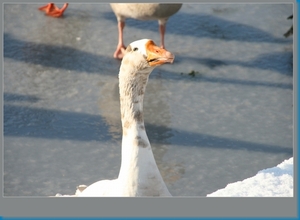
(142, 11)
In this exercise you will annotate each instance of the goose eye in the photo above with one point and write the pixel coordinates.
(135, 49)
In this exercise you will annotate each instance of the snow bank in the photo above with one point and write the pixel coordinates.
(276, 181)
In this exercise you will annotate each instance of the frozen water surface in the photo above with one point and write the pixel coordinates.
(219, 114)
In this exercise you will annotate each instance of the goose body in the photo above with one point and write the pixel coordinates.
(142, 11)
(139, 174)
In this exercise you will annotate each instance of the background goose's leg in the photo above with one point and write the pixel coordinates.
(119, 53)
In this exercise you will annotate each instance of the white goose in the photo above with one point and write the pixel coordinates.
(139, 174)
(142, 11)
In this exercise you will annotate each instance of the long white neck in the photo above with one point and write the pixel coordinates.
(139, 175)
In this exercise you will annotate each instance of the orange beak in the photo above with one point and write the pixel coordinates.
(157, 56)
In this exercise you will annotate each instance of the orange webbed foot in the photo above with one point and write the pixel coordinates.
(52, 10)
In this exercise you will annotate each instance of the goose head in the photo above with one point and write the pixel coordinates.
(144, 55)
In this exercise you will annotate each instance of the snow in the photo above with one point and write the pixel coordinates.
(275, 181)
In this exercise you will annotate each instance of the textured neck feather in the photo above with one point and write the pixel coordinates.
(139, 175)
